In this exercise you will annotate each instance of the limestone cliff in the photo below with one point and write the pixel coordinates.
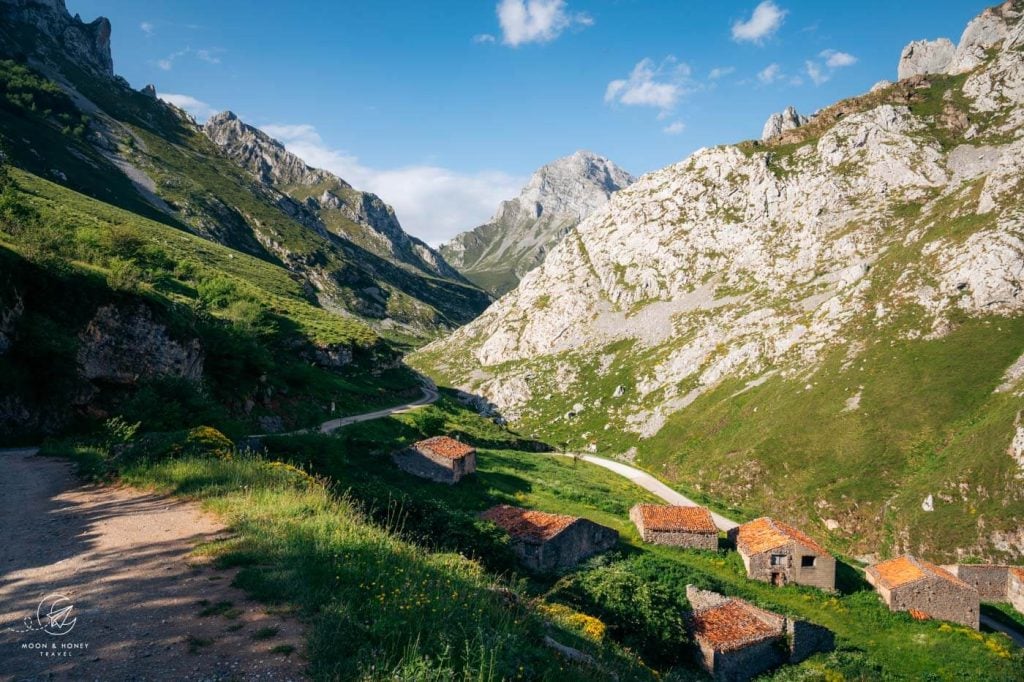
(523, 230)
(718, 317)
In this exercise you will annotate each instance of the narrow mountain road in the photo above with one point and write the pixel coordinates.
(430, 396)
(651, 484)
(1014, 634)
(117, 562)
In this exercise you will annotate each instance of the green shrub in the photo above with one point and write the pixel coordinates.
(201, 442)
(124, 275)
(217, 292)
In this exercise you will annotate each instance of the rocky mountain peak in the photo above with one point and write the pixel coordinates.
(791, 267)
(517, 239)
(575, 186)
(261, 154)
(941, 56)
(85, 43)
(789, 119)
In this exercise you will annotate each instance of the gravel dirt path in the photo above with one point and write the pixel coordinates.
(142, 608)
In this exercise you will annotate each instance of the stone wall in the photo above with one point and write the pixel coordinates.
(680, 539)
(746, 663)
(579, 541)
(426, 464)
(822, 575)
(807, 639)
(990, 581)
(940, 599)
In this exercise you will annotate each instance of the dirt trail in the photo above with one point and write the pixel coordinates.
(121, 559)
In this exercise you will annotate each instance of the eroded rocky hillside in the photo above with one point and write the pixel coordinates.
(826, 326)
(227, 182)
(524, 230)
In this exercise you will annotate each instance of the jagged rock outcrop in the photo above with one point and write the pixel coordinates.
(523, 230)
(87, 44)
(125, 346)
(789, 119)
(321, 199)
(926, 57)
(923, 57)
(892, 218)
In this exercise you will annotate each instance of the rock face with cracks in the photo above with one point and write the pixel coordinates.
(891, 218)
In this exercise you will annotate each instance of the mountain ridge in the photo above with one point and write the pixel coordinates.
(523, 230)
(846, 260)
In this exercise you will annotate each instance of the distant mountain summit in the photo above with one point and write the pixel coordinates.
(523, 230)
(325, 201)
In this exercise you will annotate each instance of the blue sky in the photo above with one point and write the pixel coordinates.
(445, 108)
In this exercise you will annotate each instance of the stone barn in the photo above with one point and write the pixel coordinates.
(679, 526)
(737, 641)
(441, 459)
(776, 553)
(994, 582)
(924, 589)
(551, 542)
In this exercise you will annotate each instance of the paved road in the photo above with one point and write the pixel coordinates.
(650, 483)
(1012, 633)
(430, 396)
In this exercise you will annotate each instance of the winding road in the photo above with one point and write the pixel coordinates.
(651, 484)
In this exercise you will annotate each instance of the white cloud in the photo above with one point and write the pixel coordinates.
(837, 60)
(201, 110)
(483, 38)
(674, 128)
(721, 72)
(816, 73)
(770, 74)
(147, 27)
(432, 202)
(763, 23)
(536, 21)
(651, 85)
(209, 56)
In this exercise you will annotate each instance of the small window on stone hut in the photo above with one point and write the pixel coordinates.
(778, 559)
(807, 562)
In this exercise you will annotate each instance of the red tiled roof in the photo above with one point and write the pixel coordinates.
(906, 569)
(527, 524)
(733, 625)
(663, 517)
(445, 447)
(764, 534)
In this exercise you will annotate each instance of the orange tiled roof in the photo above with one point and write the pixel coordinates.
(663, 517)
(733, 625)
(906, 569)
(1017, 571)
(918, 614)
(764, 534)
(446, 447)
(527, 524)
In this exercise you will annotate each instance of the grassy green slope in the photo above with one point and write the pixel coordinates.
(633, 597)
(65, 255)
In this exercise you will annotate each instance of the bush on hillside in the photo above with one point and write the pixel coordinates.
(201, 442)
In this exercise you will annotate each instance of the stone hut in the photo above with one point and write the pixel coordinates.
(925, 590)
(737, 641)
(551, 542)
(993, 583)
(679, 526)
(441, 459)
(776, 553)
